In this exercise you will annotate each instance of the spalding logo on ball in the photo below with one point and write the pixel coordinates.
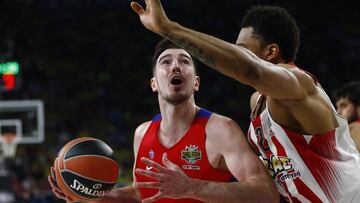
(86, 169)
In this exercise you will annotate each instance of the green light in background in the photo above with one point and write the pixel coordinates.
(11, 67)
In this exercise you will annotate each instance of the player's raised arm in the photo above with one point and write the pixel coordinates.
(235, 61)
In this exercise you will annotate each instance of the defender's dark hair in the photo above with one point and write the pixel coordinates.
(161, 47)
(350, 90)
(274, 25)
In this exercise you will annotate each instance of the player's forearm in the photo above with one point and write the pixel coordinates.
(235, 61)
(246, 191)
(231, 60)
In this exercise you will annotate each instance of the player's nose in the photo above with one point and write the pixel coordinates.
(175, 67)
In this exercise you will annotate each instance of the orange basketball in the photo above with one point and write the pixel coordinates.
(85, 169)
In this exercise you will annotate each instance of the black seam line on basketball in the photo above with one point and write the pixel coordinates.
(79, 141)
(65, 152)
(105, 157)
(87, 147)
(95, 180)
(74, 193)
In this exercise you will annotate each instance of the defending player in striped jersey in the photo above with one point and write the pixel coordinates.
(303, 142)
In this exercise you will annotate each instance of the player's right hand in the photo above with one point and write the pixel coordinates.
(153, 17)
(172, 181)
(55, 189)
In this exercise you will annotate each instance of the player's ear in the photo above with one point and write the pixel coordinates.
(197, 83)
(153, 84)
(273, 52)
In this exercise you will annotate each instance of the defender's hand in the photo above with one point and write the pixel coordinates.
(173, 182)
(153, 17)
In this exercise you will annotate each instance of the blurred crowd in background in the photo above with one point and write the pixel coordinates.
(89, 62)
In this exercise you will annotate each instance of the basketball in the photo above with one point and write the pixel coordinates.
(85, 169)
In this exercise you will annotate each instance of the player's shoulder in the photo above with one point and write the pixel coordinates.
(222, 131)
(141, 129)
(305, 79)
(220, 124)
(139, 134)
(216, 118)
(298, 72)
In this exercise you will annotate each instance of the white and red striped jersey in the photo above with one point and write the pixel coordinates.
(308, 168)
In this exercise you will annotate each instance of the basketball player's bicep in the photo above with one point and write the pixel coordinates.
(233, 146)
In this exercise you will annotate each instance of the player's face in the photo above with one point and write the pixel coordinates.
(175, 79)
(248, 40)
(346, 108)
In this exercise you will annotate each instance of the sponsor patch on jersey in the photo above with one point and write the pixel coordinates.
(190, 167)
(292, 175)
(281, 168)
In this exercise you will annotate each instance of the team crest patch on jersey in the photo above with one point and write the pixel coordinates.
(191, 154)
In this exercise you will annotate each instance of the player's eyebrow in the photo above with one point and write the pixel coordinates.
(168, 55)
(186, 56)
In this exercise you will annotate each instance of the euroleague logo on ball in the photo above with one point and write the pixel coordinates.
(79, 187)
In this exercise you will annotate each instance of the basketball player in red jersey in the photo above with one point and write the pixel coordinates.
(347, 98)
(186, 153)
(303, 142)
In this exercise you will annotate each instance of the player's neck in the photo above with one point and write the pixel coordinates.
(176, 119)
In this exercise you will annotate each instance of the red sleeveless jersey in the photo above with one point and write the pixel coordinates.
(189, 154)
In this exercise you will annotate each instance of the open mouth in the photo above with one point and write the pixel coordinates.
(176, 80)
